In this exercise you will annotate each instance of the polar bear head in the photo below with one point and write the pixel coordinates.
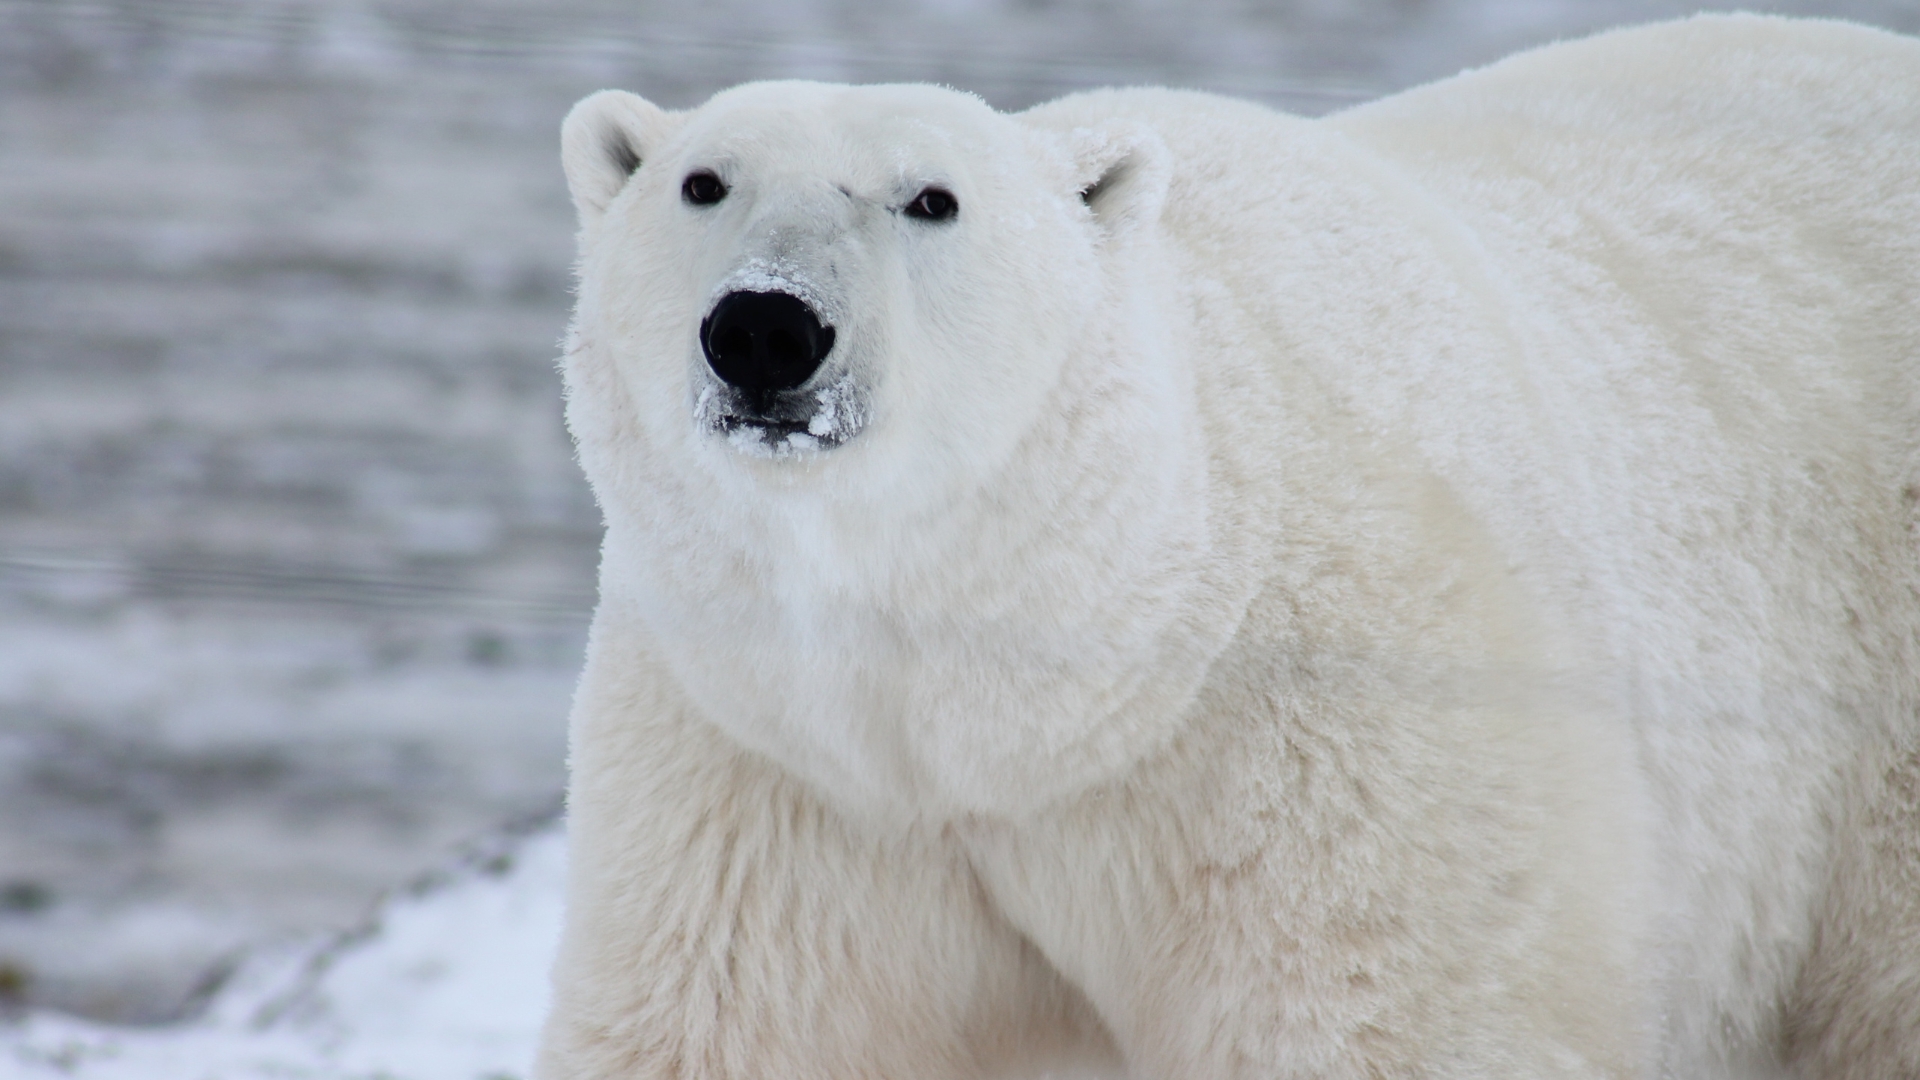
(845, 362)
(796, 268)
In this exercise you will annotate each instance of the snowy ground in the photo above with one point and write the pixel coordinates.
(295, 565)
(447, 983)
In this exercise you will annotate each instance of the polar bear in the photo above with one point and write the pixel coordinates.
(1154, 586)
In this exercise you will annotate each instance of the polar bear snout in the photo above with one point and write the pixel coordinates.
(762, 348)
(762, 342)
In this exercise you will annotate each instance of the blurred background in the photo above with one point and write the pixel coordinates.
(295, 564)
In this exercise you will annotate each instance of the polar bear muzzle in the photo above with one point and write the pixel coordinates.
(762, 347)
(761, 342)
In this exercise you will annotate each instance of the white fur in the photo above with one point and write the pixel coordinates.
(1425, 592)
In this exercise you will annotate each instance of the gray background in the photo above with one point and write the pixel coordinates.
(295, 565)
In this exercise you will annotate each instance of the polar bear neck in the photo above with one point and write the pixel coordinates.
(1017, 641)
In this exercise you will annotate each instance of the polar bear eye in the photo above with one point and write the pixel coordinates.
(703, 189)
(933, 204)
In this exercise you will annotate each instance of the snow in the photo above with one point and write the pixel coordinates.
(446, 982)
(759, 275)
(841, 410)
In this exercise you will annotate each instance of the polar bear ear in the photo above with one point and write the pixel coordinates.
(603, 142)
(1120, 171)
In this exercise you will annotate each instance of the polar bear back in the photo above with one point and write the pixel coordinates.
(1649, 305)
(1705, 230)
(1704, 239)
(1649, 302)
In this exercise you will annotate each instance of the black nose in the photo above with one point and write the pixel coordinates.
(764, 340)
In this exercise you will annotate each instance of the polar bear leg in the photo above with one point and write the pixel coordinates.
(1225, 982)
(1342, 882)
(1857, 1010)
(723, 922)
